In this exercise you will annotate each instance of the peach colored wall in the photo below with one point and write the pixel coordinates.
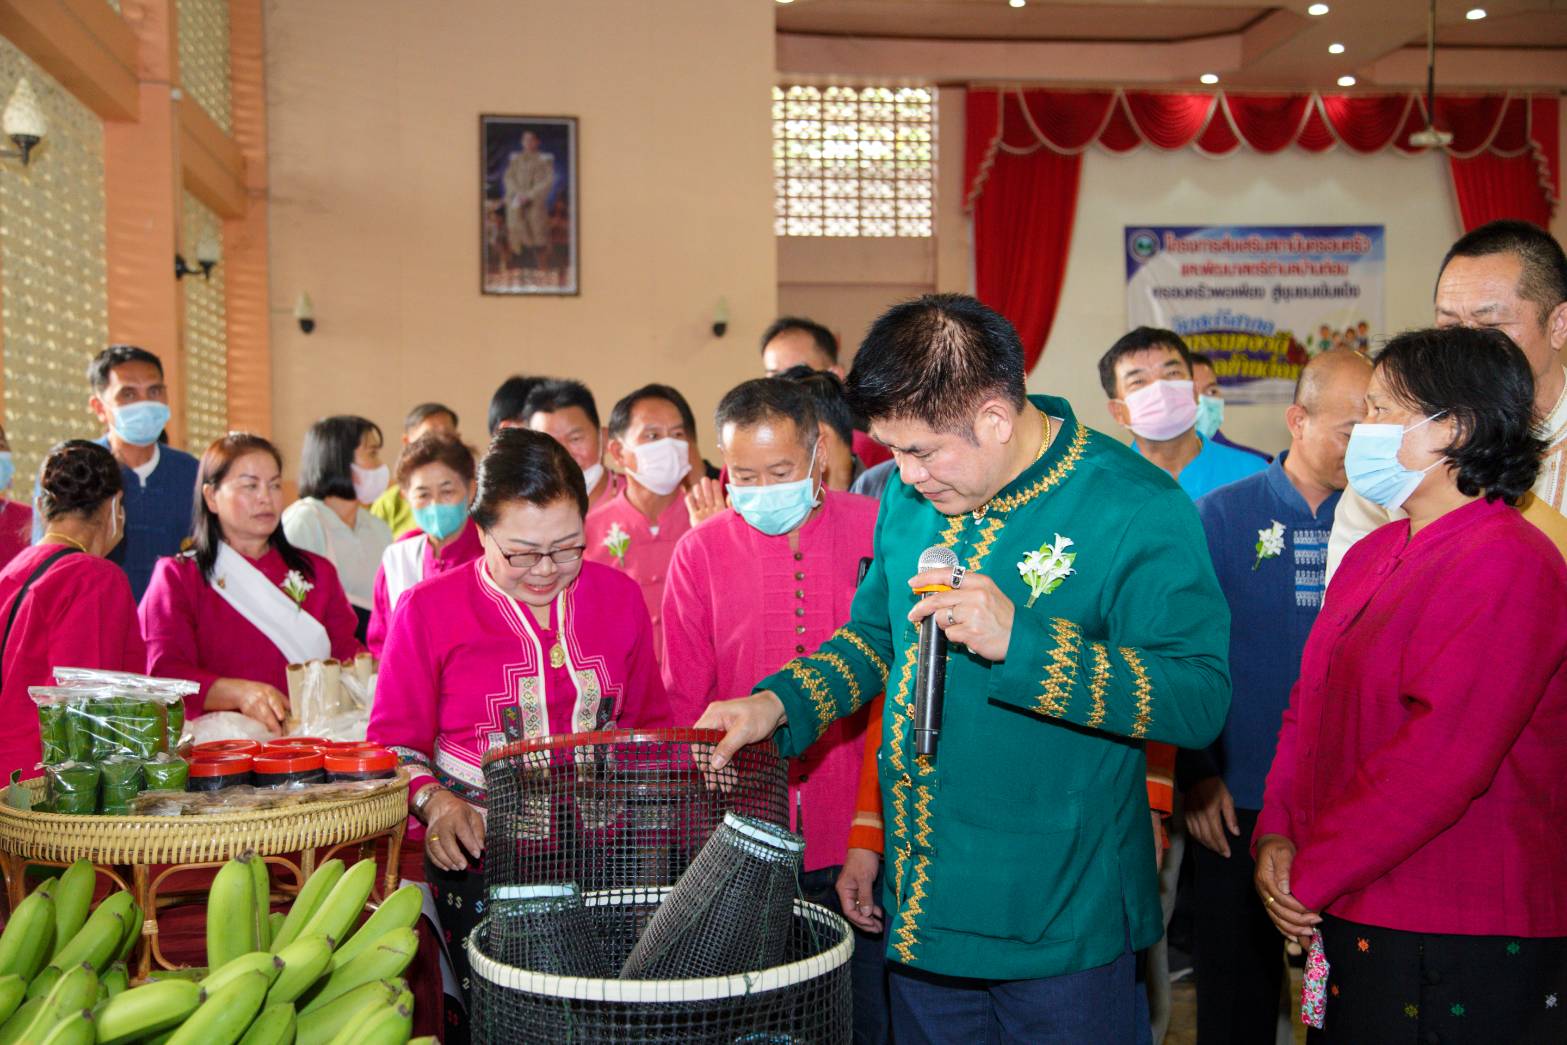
(372, 124)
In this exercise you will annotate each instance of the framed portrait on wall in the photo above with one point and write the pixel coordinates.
(528, 204)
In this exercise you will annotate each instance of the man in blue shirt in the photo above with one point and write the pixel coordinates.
(131, 401)
(1147, 375)
(1268, 538)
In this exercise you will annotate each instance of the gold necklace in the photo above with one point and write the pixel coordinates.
(1044, 444)
(73, 542)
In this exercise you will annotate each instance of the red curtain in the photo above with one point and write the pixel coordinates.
(1023, 159)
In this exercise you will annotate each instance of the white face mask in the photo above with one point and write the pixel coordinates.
(370, 483)
(591, 475)
(662, 464)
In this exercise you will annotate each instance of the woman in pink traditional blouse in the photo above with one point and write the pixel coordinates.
(63, 604)
(1413, 814)
(435, 475)
(239, 607)
(527, 641)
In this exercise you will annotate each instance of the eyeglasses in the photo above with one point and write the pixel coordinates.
(529, 560)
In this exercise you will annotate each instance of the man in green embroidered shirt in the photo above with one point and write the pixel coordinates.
(1086, 621)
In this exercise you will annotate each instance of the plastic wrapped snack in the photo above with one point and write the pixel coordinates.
(166, 773)
(100, 715)
(73, 787)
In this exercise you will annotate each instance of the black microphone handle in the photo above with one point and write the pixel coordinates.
(930, 685)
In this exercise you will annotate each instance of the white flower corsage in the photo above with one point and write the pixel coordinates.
(296, 587)
(1045, 569)
(617, 541)
(1270, 543)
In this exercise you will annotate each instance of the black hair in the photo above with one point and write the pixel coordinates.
(326, 462)
(824, 338)
(765, 399)
(1139, 340)
(556, 394)
(117, 355)
(937, 358)
(1199, 359)
(435, 448)
(206, 528)
(424, 411)
(825, 390)
(1481, 380)
(620, 416)
(1544, 277)
(509, 399)
(528, 466)
(77, 477)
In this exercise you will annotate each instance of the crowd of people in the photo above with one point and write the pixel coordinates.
(1331, 679)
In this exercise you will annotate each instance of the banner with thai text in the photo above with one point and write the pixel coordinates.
(1259, 300)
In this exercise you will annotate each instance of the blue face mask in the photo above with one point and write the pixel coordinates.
(1210, 415)
(141, 423)
(440, 521)
(7, 469)
(778, 508)
(1372, 464)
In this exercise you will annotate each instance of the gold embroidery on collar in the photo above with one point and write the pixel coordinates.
(1050, 479)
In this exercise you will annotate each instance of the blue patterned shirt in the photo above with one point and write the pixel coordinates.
(1273, 604)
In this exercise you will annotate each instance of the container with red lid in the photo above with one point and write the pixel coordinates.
(215, 772)
(314, 743)
(226, 747)
(279, 766)
(362, 762)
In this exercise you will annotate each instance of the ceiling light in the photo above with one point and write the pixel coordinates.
(1017, 3)
(1335, 48)
(1209, 78)
(1317, 9)
(1474, 14)
(1346, 81)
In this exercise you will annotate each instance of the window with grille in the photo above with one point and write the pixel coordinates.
(854, 161)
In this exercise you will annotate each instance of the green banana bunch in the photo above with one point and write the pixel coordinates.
(75, 1029)
(315, 890)
(231, 913)
(11, 1030)
(101, 937)
(225, 1015)
(275, 1026)
(29, 937)
(304, 961)
(264, 962)
(398, 911)
(320, 1025)
(261, 881)
(146, 1010)
(13, 991)
(44, 982)
(343, 906)
(75, 990)
(72, 897)
(378, 1025)
(387, 958)
(116, 979)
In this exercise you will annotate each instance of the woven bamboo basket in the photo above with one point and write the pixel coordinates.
(62, 838)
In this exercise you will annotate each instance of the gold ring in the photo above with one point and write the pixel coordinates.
(1268, 902)
(437, 838)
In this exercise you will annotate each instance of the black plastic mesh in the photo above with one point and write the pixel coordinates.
(546, 928)
(731, 911)
(806, 999)
(622, 815)
(618, 809)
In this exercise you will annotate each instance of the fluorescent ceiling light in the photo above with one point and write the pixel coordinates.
(1346, 81)
(1335, 48)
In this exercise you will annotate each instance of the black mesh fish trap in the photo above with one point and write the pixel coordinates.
(730, 912)
(803, 999)
(618, 809)
(545, 928)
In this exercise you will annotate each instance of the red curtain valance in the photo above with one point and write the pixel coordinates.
(1021, 121)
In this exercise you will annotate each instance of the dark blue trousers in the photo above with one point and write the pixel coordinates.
(868, 964)
(1092, 1007)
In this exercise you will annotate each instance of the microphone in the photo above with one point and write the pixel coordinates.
(930, 663)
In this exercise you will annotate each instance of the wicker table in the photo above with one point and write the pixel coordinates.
(142, 853)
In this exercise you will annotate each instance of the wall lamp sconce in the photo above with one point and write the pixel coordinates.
(721, 318)
(305, 313)
(23, 122)
(208, 253)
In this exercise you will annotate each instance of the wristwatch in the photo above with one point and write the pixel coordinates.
(422, 799)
